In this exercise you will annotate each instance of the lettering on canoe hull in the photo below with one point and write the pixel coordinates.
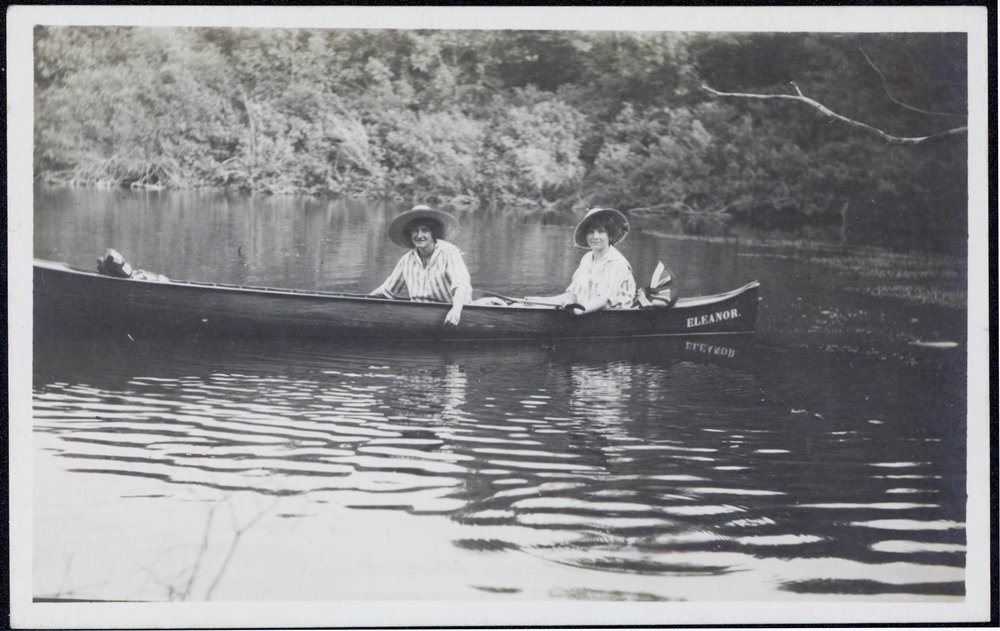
(712, 318)
(709, 349)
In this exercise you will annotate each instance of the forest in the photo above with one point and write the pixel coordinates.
(527, 122)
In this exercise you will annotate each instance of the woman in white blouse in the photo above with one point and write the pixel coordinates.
(603, 280)
(433, 269)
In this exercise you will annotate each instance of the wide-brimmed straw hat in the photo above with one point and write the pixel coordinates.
(613, 216)
(397, 227)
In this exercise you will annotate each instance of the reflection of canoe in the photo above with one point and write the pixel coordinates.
(72, 299)
(110, 360)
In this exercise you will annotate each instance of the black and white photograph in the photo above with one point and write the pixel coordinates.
(498, 316)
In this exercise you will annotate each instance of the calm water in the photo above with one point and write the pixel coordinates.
(821, 459)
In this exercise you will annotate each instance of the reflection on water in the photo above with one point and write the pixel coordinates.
(821, 459)
(653, 460)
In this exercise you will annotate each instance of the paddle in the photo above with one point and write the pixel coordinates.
(509, 299)
(657, 294)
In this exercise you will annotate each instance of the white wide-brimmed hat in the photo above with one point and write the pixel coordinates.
(610, 214)
(398, 226)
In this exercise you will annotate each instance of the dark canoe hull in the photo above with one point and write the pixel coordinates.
(70, 300)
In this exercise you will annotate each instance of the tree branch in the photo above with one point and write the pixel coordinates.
(896, 140)
(885, 85)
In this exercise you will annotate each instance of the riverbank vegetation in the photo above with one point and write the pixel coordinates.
(527, 122)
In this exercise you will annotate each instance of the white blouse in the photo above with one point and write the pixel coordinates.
(610, 279)
(443, 276)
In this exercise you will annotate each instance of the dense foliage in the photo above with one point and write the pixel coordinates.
(523, 121)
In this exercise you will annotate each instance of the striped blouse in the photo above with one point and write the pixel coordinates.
(611, 278)
(443, 277)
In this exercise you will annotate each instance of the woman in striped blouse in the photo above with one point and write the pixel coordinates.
(603, 280)
(433, 269)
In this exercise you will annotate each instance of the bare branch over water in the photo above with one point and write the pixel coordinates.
(890, 138)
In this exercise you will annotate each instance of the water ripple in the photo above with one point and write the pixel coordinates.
(641, 467)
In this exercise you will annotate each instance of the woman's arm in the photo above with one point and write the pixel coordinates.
(461, 287)
(594, 304)
(458, 300)
(560, 300)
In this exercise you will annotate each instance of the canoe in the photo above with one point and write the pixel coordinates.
(73, 300)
